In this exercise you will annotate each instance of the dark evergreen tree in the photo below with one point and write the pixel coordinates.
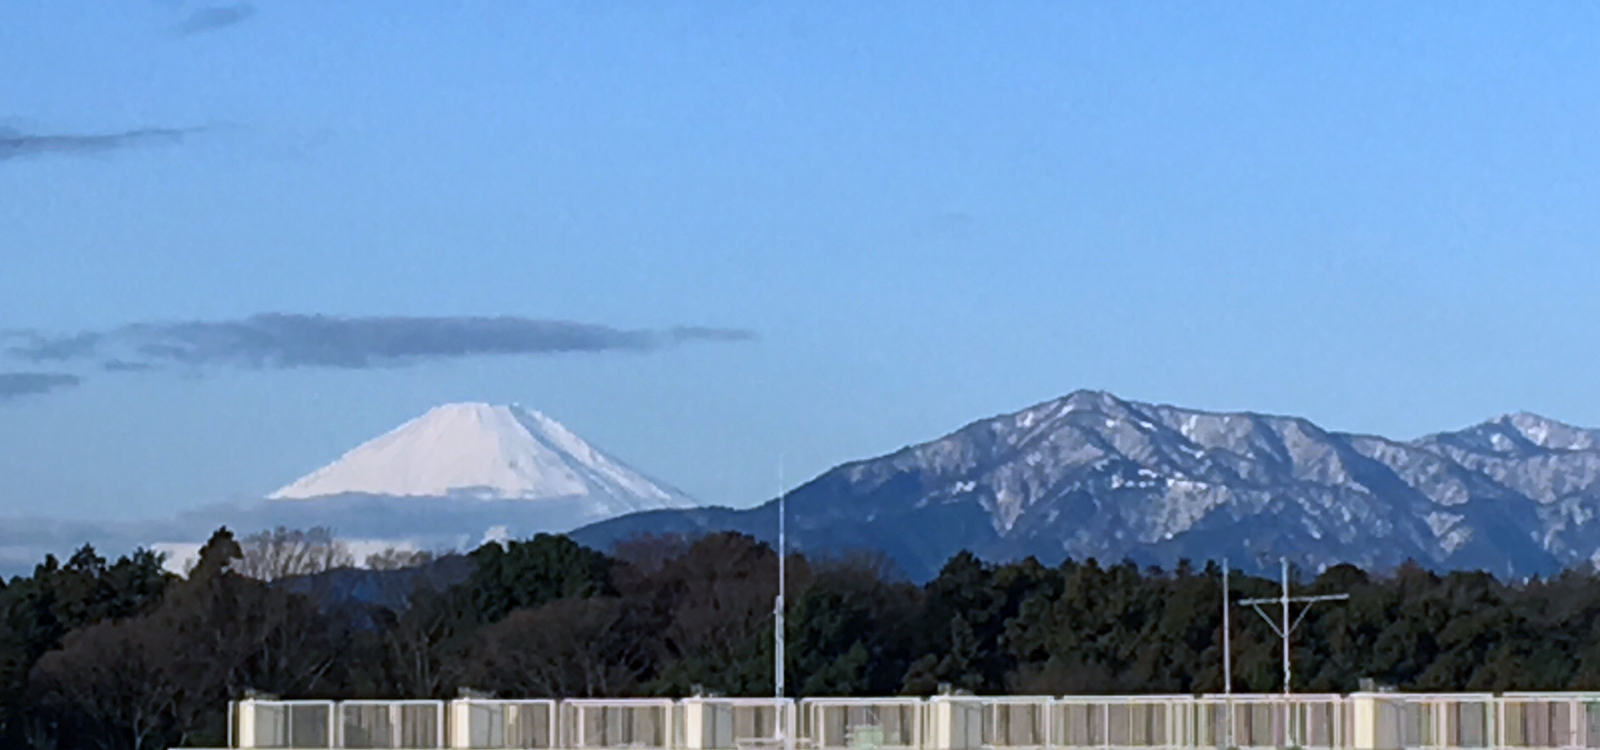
(122, 655)
(522, 575)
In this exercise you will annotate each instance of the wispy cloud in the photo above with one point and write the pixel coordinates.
(703, 333)
(284, 341)
(16, 384)
(215, 18)
(121, 365)
(15, 143)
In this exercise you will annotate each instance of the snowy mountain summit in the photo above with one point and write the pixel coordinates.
(488, 452)
(1091, 475)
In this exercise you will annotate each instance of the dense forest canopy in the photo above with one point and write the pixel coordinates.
(125, 655)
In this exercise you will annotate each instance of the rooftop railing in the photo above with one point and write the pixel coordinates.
(1361, 721)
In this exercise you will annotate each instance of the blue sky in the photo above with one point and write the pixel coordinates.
(1378, 216)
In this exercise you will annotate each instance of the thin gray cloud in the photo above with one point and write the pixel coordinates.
(286, 341)
(42, 348)
(122, 365)
(18, 384)
(16, 143)
(215, 18)
(702, 333)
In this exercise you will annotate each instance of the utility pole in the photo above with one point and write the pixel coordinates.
(1287, 628)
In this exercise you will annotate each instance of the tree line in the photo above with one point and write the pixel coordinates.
(123, 655)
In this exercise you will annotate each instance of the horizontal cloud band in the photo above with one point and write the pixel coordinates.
(281, 341)
(15, 144)
(14, 384)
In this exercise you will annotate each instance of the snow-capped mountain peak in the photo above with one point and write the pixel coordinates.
(488, 452)
(1520, 434)
(1091, 475)
(1549, 433)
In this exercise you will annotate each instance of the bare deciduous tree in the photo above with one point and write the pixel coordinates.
(711, 595)
(284, 553)
(571, 647)
(398, 559)
(424, 644)
(108, 676)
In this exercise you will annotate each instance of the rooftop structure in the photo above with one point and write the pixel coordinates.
(1360, 721)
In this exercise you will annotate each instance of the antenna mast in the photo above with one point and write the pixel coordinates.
(783, 548)
(1227, 651)
(1227, 635)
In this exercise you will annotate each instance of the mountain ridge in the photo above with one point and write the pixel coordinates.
(1093, 475)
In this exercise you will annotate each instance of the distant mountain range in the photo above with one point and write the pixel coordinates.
(1094, 476)
(1087, 475)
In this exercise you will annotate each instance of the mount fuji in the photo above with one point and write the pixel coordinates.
(487, 452)
(455, 477)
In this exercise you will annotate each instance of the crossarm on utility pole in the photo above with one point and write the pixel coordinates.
(1307, 600)
(1286, 602)
(1310, 600)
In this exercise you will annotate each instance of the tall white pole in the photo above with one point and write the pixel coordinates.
(783, 549)
(1287, 674)
(1288, 731)
(1227, 635)
(1227, 651)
